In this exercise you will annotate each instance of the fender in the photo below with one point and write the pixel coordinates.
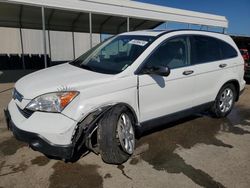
(85, 130)
(235, 82)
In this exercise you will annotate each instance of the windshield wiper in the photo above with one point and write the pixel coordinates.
(86, 67)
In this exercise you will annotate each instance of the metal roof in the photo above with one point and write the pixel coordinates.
(107, 17)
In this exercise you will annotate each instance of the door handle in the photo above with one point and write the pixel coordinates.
(188, 72)
(222, 65)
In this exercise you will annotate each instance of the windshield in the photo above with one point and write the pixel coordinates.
(114, 55)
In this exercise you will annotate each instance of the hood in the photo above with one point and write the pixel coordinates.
(57, 78)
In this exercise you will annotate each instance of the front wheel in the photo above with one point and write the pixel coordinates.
(224, 101)
(116, 135)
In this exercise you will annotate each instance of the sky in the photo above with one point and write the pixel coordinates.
(236, 11)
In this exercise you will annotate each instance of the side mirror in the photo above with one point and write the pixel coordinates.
(158, 70)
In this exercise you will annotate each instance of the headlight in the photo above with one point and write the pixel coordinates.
(52, 102)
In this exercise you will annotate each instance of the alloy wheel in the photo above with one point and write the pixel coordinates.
(226, 100)
(126, 133)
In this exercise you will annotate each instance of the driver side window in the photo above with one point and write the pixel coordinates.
(172, 53)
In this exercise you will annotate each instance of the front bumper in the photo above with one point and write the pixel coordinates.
(54, 127)
(37, 142)
(54, 134)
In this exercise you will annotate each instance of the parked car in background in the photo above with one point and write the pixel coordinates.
(245, 54)
(133, 81)
(247, 70)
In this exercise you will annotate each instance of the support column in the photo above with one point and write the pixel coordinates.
(73, 40)
(21, 41)
(128, 24)
(44, 38)
(21, 35)
(166, 25)
(224, 30)
(188, 26)
(49, 45)
(90, 29)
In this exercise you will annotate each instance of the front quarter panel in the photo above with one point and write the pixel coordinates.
(119, 90)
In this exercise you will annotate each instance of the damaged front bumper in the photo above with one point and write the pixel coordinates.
(37, 142)
(81, 138)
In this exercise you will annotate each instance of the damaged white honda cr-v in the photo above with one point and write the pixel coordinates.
(133, 81)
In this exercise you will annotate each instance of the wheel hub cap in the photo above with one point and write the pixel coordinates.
(226, 100)
(126, 133)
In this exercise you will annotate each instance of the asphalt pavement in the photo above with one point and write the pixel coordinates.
(198, 151)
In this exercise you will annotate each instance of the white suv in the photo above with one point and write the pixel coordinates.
(133, 81)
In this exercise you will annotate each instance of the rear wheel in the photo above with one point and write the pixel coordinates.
(224, 101)
(116, 135)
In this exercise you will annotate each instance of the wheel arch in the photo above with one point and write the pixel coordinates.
(94, 124)
(236, 85)
(130, 108)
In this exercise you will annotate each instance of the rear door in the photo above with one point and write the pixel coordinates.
(212, 60)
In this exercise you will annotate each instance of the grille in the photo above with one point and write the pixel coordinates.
(25, 112)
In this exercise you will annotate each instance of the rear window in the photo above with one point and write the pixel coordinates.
(208, 49)
(227, 50)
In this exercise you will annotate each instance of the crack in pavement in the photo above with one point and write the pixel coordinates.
(121, 167)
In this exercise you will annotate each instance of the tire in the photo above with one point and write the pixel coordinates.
(218, 109)
(112, 149)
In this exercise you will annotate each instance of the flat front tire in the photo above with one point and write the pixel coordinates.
(116, 135)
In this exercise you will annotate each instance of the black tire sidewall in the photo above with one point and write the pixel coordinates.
(109, 144)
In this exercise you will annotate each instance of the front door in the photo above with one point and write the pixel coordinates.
(160, 96)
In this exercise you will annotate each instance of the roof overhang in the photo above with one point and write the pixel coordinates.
(108, 17)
